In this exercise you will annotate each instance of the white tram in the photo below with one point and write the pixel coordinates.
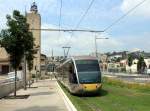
(80, 74)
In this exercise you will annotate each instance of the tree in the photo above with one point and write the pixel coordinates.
(29, 58)
(141, 65)
(130, 60)
(16, 39)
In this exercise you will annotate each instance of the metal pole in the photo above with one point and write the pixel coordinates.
(36, 71)
(66, 51)
(96, 44)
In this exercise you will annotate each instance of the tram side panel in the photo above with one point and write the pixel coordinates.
(73, 82)
(63, 74)
(67, 76)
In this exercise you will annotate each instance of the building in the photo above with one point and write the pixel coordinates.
(44, 63)
(4, 61)
(147, 62)
(34, 21)
(117, 56)
(103, 62)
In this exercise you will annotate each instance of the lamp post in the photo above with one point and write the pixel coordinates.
(96, 43)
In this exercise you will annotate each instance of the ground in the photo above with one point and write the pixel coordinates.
(44, 96)
(113, 98)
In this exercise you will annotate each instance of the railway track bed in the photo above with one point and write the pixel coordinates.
(113, 98)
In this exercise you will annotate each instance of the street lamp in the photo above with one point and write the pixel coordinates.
(96, 43)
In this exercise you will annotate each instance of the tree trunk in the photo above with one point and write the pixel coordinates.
(15, 82)
(29, 79)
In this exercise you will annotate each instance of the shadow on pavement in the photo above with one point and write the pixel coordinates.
(38, 108)
(42, 93)
(17, 97)
(43, 85)
(32, 87)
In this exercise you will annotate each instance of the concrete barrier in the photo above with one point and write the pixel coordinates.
(7, 88)
(67, 101)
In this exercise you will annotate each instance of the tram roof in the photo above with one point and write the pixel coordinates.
(84, 57)
(78, 58)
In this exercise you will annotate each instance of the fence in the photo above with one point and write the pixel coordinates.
(7, 88)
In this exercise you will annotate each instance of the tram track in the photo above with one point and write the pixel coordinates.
(92, 106)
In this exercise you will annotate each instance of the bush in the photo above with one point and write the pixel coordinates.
(118, 82)
(33, 76)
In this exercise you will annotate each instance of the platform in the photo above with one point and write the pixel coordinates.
(44, 96)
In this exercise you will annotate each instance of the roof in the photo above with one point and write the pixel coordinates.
(3, 54)
(83, 57)
(78, 58)
(43, 55)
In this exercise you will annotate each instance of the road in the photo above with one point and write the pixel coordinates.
(139, 78)
(3, 78)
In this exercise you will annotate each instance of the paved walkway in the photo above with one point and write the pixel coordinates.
(3, 77)
(46, 97)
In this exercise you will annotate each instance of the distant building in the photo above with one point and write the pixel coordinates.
(4, 61)
(147, 62)
(44, 63)
(34, 20)
(133, 67)
(103, 62)
(117, 56)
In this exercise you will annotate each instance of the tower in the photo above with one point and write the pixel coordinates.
(34, 21)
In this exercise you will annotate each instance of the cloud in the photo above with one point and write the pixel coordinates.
(81, 43)
(7, 7)
(97, 18)
(51, 40)
(141, 11)
(140, 41)
(124, 42)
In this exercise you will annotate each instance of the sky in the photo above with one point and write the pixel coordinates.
(132, 32)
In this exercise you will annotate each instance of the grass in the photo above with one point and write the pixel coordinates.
(129, 85)
(113, 97)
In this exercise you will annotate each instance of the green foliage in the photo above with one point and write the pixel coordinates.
(123, 69)
(130, 60)
(112, 98)
(29, 58)
(141, 65)
(17, 39)
(120, 83)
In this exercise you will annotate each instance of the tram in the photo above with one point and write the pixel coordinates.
(80, 75)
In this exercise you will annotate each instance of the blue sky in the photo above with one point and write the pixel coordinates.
(132, 32)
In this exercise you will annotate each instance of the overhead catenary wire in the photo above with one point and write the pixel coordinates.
(60, 14)
(59, 22)
(82, 18)
(67, 30)
(85, 13)
(123, 16)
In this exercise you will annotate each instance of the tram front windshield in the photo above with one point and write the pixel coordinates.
(88, 71)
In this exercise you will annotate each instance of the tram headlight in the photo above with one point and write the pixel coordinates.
(98, 86)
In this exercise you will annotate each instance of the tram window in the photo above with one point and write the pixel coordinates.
(87, 65)
(70, 68)
(72, 74)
